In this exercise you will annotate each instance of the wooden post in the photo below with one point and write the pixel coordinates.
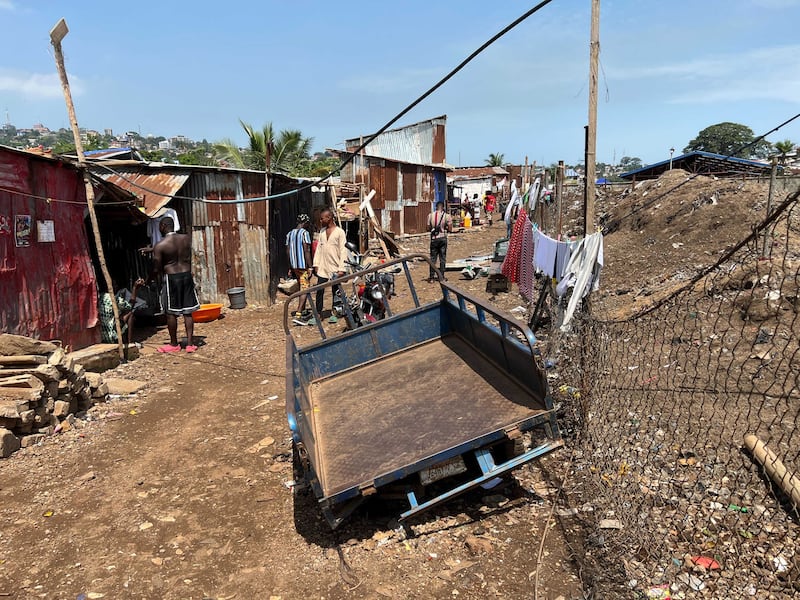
(559, 194)
(591, 132)
(267, 190)
(769, 201)
(57, 33)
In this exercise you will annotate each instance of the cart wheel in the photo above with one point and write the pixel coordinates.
(300, 465)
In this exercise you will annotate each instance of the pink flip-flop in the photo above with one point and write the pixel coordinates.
(167, 348)
(191, 349)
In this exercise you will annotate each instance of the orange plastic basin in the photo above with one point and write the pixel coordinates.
(207, 312)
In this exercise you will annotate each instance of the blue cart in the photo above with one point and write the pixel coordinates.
(426, 404)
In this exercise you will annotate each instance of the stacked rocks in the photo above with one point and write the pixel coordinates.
(41, 389)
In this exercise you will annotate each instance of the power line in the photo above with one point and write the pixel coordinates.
(366, 142)
(48, 199)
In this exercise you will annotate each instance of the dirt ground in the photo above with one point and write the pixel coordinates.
(184, 490)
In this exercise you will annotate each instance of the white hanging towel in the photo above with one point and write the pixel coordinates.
(533, 193)
(582, 272)
(152, 224)
(515, 199)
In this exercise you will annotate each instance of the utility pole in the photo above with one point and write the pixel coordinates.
(772, 175)
(559, 195)
(57, 34)
(591, 131)
(267, 189)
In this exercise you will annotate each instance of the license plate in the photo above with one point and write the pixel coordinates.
(453, 466)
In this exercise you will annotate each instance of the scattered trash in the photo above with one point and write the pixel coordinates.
(735, 508)
(145, 526)
(692, 581)
(658, 592)
(610, 524)
(272, 398)
(48, 513)
(781, 564)
(706, 562)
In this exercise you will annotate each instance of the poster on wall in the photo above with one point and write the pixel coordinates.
(47, 232)
(22, 230)
(5, 225)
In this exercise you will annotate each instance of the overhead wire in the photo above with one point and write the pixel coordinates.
(351, 154)
(614, 224)
(49, 199)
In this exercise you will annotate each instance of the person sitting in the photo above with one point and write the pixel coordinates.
(108, 329)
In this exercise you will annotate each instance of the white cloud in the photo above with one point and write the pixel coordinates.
(759, 74)
(7, 5)
(36, 85)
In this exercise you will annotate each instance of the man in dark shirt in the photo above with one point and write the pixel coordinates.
(172, 261)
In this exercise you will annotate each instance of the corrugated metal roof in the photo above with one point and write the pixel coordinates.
(477, 172)
(701, 162)
(418, 143)
(159, 187)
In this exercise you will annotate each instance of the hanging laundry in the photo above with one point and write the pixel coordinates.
(526, 270)
(582, 273)
(545, 253)
(515, 199)
(533, 193)
(512, 261)
(152, 224)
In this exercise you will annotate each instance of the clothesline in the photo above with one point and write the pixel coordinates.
(573, 263)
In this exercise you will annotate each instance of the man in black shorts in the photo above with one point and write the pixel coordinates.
(172, 260)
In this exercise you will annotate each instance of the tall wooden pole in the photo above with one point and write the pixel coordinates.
(769, 202)
(591, 134)
(267, 190)
(57, 34)
(559, 194)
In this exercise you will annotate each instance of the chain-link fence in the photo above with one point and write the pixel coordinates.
(674, 503)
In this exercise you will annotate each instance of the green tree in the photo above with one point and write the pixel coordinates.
(729, 139)
(495, 159)
(630, 163)
(197, 156)
(291, 151)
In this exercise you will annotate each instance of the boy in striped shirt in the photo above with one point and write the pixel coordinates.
(298, 249)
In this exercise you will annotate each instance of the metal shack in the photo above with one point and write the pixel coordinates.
(48, 284)
(230, 242)
(407, 169)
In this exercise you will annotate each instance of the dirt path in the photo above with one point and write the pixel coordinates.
(182, 491)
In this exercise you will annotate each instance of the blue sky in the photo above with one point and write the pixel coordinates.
(338, 70)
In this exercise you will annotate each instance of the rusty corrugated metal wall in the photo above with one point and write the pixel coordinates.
(229, 241)
(404, 193)
(47, 289)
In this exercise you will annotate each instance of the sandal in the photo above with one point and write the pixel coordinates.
(168, 349)
(190, 349)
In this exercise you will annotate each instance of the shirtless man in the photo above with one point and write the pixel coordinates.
(172, 261)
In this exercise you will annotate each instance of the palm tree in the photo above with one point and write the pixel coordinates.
(495, 159)
(784, 148)
(290, 150)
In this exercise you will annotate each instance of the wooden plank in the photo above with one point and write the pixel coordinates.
(24, 359)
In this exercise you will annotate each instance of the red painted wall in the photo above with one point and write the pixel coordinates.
(47, 289)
